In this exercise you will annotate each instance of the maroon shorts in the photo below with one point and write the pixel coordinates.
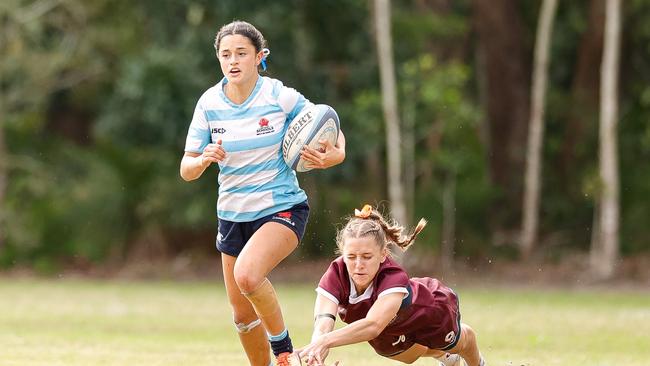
(434, 325)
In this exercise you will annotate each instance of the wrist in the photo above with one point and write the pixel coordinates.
(203, 163)
(339, 157)
(326, 340)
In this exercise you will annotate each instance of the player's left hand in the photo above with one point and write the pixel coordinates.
(323, 158)
(315, 353)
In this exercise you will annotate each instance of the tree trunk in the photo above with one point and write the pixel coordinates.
(533, 182)
(409, 152)
(595, 236)
(504, 75)
(604, 265)
(389, 101)
(583, 113)
(3, 182)
(448, 223)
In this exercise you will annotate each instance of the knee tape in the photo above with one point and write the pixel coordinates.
(264, 299)
(245, 328)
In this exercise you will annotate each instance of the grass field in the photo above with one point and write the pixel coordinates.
(82, 322)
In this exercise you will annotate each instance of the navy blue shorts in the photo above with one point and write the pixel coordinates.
(232, 236)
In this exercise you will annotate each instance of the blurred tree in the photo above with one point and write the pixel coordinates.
(582, 112)
(634, 132)
(503, 68)
(606, 249)
(3, 181)
(97, 96)
(532, 179)
(452, 188)
(391, 114)
(44, 52)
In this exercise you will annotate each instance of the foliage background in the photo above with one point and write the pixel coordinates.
(97, 96)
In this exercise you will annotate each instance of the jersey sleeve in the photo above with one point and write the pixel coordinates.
(198, 134)
(291, 101)
(391, 280)
(330, 284)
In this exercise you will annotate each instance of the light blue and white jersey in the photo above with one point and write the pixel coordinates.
(254, 180)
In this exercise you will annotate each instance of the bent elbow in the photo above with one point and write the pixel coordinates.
(374, 329)
(186, 177)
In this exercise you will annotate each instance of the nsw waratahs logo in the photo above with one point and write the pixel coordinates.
(264, 127)
(284, 216)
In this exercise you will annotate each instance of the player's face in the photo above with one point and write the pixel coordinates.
(362, 257)
(238, 58)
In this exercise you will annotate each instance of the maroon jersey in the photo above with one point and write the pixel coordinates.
(428, 315)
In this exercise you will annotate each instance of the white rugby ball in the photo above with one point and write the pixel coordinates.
(313, 123)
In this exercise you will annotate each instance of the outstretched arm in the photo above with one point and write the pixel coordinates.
(324, 316)
(378, 317)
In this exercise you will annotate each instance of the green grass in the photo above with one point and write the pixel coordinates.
(82, 322)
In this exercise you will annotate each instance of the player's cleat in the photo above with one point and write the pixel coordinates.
(287, 359)
(451, 359)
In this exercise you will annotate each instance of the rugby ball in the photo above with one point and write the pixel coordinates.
(314, 123)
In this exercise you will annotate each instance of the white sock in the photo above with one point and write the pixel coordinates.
(449, 359)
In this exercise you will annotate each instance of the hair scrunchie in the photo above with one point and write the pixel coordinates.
(364, 213)
(265, 53)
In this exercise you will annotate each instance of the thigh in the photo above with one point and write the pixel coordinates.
(243, 310)
(463, 340)
(266, 248)
(231, 237)
(411, 355)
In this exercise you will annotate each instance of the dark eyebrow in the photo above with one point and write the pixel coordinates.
(236, 48)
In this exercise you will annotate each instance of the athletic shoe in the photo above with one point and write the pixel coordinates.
(287, 359)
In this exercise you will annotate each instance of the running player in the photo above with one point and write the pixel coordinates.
(402, 319)
(239, 124)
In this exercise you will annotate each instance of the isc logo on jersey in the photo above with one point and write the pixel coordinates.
(264, 127)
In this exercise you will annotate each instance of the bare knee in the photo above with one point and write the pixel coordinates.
(246, 281)
(246, 326)
(467, 339)
(243, 312)
(469, 333)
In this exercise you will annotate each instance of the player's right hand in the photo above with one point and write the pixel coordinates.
(327, 156)
(213, 153)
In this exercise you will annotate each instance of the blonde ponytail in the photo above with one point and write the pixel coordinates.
(369, 222)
